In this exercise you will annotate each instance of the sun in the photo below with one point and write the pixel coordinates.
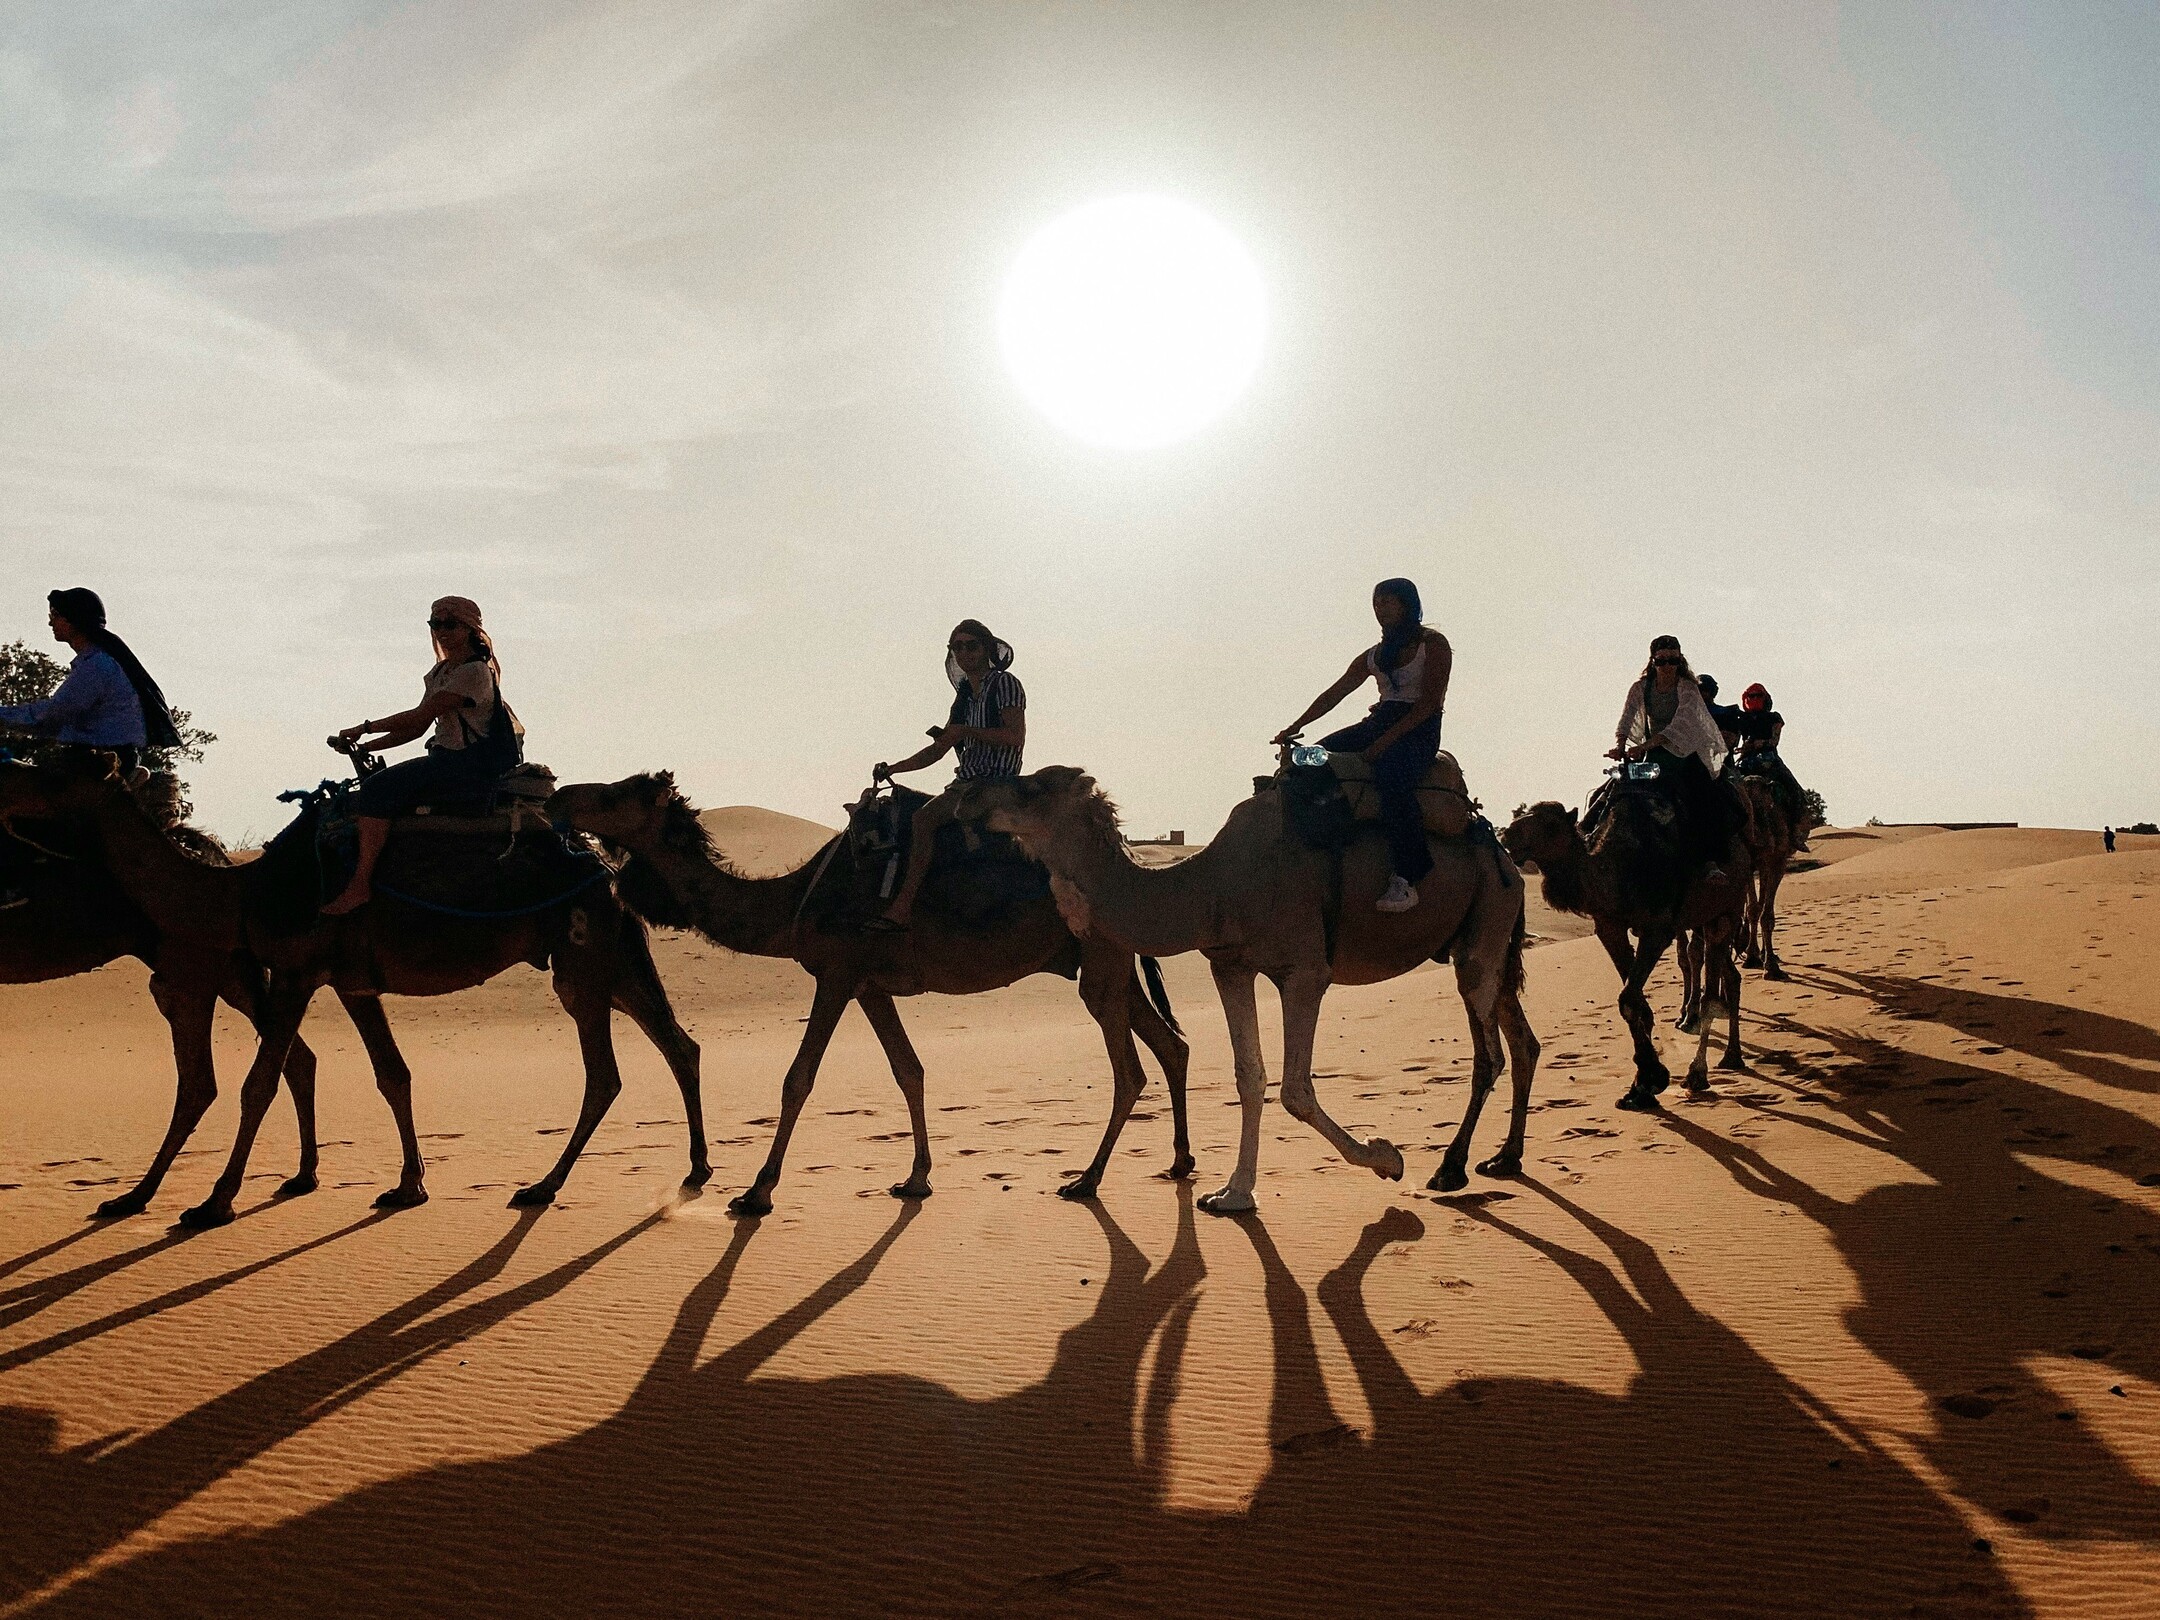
(1132, 322)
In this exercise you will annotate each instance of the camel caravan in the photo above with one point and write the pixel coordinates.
(1358, 859)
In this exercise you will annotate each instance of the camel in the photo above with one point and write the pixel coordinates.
(1258, 900)
(74, 917)
(1628, 877)
(1776, 837)
(268, 908)
(675, 878)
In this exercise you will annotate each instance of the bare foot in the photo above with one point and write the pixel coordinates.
(345, 904)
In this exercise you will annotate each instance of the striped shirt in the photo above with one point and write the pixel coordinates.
(978, 759)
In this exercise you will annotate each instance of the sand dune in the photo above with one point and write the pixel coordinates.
(1876, 1330)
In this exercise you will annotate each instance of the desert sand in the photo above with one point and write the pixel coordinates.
(1873, 1330)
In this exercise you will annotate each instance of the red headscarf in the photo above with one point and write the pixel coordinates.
(1755, 697)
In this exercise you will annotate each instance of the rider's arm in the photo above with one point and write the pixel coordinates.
(1009, 732)
(394, 731)
(1326, 700)
(937, 750)
(77, 696)
(1439, 665)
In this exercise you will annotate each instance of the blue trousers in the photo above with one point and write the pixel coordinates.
(1399, 772)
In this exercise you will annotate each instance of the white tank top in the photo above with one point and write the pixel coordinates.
(1403, 684)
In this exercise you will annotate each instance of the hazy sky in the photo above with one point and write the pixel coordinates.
(1826, 338)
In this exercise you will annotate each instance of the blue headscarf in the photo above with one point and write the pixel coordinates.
(1397, 644)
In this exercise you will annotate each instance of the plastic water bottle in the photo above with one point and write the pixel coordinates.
(1308, 754)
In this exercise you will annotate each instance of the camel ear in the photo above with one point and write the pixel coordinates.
(1571, 818)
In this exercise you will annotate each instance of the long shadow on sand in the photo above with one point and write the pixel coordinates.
(61, 1507)
(1971, 1278)
(721, 1488)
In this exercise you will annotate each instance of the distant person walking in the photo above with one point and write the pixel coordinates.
(987, 724)
(2107, 837)
(1400, 737)
(107, 700)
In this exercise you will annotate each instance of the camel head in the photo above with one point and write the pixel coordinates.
(1037, 809)
(635, 812)
(1541, 835)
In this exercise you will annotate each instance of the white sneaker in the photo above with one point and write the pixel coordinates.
(1399, 897)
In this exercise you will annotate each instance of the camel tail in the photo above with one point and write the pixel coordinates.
(1513, 973)
(1158, 992)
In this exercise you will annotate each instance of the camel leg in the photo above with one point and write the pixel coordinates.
(1751, 922)
(188, 1010)
(590, 1002)
(907, 1072)
(1485, 1059)
(284, 1006)
(1302, 993)
(641, 996)
(393, 1078)
(300, 1082)
(1767, 924)
(1651, 1075)
(1733, 1058)
(1241, 1011)
(1688, 949)
(1523, 1050)
(1107, 985)
(1162, 1038)
(833, 996)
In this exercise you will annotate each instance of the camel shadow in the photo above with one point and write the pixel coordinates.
(2114, 1052)
(61, 1506)
(724, 1486)
(25, 1300)
(1972, 1275)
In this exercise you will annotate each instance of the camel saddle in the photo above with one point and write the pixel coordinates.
(514, 801)
(977, 876)
(1443, 797)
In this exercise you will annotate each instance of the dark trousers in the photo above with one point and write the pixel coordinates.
(1709, 811)
(1398, 773)
(1790, 797)
(440, 773)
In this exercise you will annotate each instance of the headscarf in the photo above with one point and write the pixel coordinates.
(467, 612)
(1397, 644)
(85, 610)
(1755, 697)
(1001, 657)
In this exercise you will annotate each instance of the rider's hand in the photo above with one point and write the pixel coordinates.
(353, 733)
(1284, 738)
(1616, 753)
(881, 772)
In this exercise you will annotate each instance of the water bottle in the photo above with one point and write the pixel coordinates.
(1308, 755)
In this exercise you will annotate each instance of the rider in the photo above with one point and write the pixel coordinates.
(477, 738)
(1721, 714)
(108, 700)
(987, 724)
(1760, 727)
(1401, 735)
(1665, 720)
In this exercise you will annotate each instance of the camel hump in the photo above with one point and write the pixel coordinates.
(1443, 797)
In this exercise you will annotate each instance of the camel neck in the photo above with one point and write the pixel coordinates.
(754, 916)
(1151, 910)
(181, 895)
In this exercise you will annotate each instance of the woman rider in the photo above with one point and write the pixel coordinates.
(1666, 720)
(1401, 736)
(1760, 729)
(987, 724)
(477, 739)
(108, 700)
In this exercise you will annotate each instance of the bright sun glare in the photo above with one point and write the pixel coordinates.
(1132, 322)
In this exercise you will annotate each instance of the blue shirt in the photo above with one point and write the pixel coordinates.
(96, 704)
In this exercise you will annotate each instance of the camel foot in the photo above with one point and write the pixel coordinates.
(538, 1196)
(206, 1215)
(1691, 1023)
(1734, 1060)
(1081, 1189)
(913, 1187)
(414, 1197)
(751, 1204)
(1639, 1099)
(1698, 1082)
(1181, 1167)
(298, 1185)
(1507, 1162)
(1229, 1201)
(1753, 959)
(1450, 1177)
(698, 1176)
(1775, 972)
(113, 1209)
(1387, 1157)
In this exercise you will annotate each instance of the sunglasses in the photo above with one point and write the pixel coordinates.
(1668, 663)
(447, 624)
(963, 644)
